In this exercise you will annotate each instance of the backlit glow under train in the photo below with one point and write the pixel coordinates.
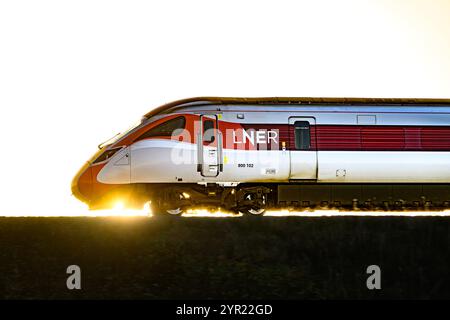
(198, 213)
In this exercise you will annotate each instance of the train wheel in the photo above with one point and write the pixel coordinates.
(175, 211)
(169, 202)
(254, 211)
(253, 201)
(158, 211)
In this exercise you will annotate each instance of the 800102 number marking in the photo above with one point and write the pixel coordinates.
(245, 165)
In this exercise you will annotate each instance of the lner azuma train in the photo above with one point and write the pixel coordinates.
(251, 154)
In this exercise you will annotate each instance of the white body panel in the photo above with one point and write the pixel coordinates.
(117, 170)
(255, 165)
(383, 166)
(163, 161)
(303, 165)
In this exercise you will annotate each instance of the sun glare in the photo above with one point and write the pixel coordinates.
(119, 210)
(118, 206)
(207, 213)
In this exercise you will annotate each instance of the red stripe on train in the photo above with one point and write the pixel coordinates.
(381, 138)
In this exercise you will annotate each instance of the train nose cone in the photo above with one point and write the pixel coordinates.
(82, 184)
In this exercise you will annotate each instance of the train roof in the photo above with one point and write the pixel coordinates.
(202, 101)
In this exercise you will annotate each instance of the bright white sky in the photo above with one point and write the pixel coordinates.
(74, 73)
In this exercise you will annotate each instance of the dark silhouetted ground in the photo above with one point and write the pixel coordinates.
(230, 258)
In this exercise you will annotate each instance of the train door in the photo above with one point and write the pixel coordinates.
(302, 146)
(209, 147)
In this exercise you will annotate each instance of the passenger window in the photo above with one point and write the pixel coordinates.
(165, 129)
(208, 131)
(302, 135)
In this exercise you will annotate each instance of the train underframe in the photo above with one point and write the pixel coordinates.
(256, 198)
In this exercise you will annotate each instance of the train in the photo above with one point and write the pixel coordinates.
(249, 155)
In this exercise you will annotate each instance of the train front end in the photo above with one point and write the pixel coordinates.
(104, 180)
